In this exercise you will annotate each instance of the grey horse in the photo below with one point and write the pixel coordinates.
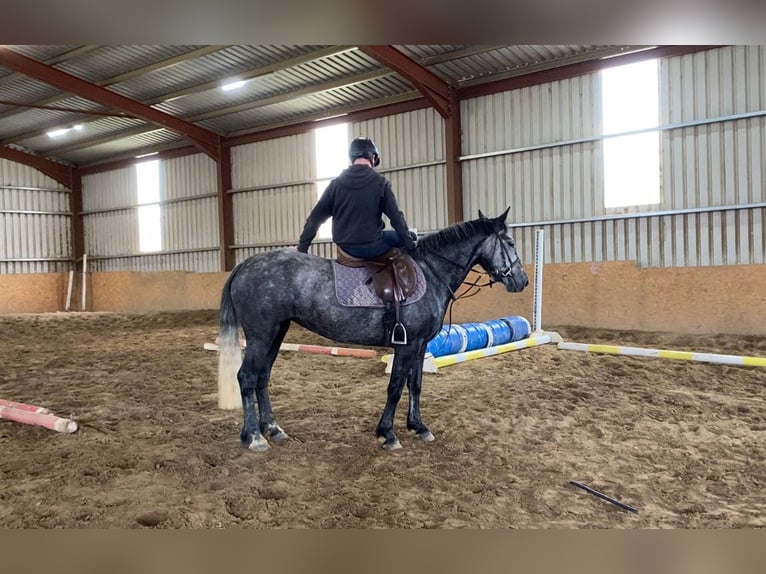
(264, 293)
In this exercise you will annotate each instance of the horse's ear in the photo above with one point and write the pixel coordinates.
(481, 215)
(504, 215)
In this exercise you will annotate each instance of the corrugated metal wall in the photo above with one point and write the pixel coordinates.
(274, 181)
(35, 221)
(412, 148)
(189, 218)
(538, 150)
(274, 191)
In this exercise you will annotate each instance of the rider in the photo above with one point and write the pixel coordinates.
(356, 200)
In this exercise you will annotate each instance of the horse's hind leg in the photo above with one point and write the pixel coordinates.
(248, 376)
(414, 384)
(268, 424)
(260, 352)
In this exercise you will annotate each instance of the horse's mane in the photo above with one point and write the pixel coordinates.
(455, 234)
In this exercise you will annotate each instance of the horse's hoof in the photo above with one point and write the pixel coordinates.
(426, 436)
(259, 444)
(276, 433)
(281, 436)
(391, 445)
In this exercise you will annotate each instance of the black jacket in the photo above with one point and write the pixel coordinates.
(356, 200)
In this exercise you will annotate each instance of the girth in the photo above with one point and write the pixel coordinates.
(394, 278)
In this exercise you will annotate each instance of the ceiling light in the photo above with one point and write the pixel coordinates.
(62, 131)
(58, 133)
(233, 85)
(147, 154)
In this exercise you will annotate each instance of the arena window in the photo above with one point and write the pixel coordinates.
(149, 216)
(331, 158)
(630, 102)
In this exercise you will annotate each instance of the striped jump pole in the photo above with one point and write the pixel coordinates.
(432, 364)
(339, 351)
(666, 354)
(447, 360)
(24, 407)
(46, 420)
(318, 349)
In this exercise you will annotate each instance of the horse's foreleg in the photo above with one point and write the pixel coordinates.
(399, 373)
(414, 384)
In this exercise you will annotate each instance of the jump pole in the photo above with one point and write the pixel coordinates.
(24, 407)
(84, 278)
(738, 360)
(537, 288)
(318, 349)
(432, 364)
(46, 420)
(69, 290)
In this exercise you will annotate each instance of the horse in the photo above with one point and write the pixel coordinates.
(267, 291)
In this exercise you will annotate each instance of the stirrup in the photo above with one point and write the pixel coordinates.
(403, 331)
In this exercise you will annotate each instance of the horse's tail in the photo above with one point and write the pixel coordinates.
(229, 352)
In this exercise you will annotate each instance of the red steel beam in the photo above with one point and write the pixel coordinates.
(204, 139)
(127, 162)
(58, 171)
(436, 90)
(303, 127)
(572, 70)
(453, 149)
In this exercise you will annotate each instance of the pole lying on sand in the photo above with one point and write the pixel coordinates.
(602, 496)
(24, 407)
(666, 354)
(30, 417)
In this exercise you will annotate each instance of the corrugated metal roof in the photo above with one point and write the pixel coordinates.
(286, 84)
(133, 144)
(333, 100)
(112, 60)
(225, 63)
(43, 52)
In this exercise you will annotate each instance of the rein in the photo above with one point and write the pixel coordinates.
(505, 271)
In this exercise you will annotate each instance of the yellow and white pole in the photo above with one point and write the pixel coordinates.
(432, 364)
(666, 354)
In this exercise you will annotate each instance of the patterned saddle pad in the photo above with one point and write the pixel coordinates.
(353, 287)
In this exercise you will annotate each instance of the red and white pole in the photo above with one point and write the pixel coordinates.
(30, 417)
(24, 407)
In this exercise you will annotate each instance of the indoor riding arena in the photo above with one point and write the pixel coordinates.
(621, 388)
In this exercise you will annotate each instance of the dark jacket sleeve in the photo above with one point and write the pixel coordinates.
(321, 213)
(391, 209)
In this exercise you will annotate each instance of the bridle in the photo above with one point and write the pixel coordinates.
(495, 276)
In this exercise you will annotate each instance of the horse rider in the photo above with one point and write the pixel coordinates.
(356, 200)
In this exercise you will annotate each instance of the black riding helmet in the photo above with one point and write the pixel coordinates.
(364, 148)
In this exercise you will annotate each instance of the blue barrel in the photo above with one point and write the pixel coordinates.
(520, 328)
(448, 341)
(501, 332)
(457, 341)
(477, 336)
(436, 345)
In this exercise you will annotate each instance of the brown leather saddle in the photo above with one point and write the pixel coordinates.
(394, 279)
